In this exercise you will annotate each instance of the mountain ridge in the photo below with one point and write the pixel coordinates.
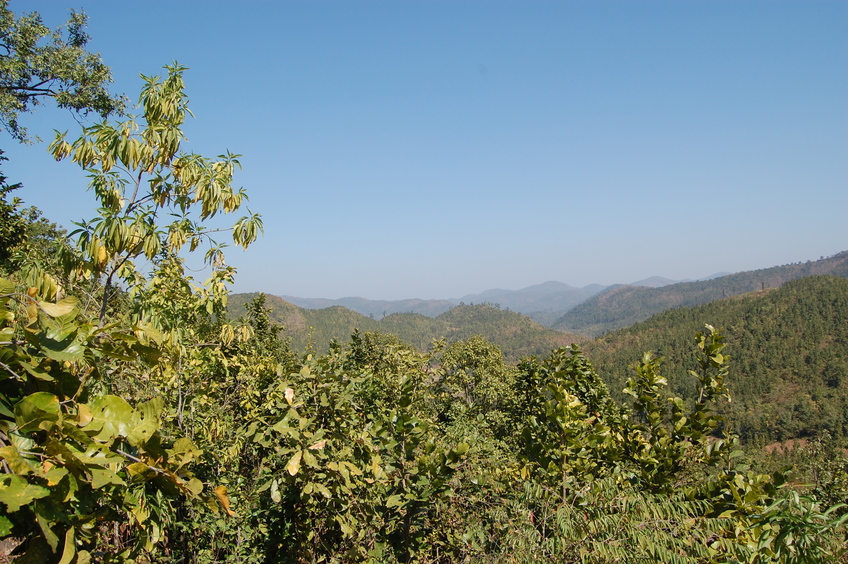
(551, 297)
(623, 305)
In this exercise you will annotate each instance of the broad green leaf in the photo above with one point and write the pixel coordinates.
(36, 371)
(275, 492)
(183, 452)
(146, 421)
(54, 475)
(103, 477)
(112, 416)
(71, 430)
(309, 459)
(195, 486)
(139, 511)
(6, 286)
(282, 426)
(144, 332)
(66, 349)
(346, 530)
(322, 489)
(59, 449)
(6, 408)
(395, 501)
(15, 492)
(140, 472)
(37, 411)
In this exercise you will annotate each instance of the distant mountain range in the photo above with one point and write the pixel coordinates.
(587, 311)
(544, 303)
(786, 327)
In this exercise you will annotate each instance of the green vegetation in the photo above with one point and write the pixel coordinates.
(622, 306)
(139, 424)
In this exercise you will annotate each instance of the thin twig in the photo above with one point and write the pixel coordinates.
(10, 371)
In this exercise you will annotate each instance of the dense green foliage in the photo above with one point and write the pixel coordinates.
(516, 334)
(622, 306)
(139, 424)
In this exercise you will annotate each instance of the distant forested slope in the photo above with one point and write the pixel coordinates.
(376, 308)
(516, 334)
(622, 306)
(788, 348)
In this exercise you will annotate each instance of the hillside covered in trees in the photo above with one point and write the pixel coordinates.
(789, 350)
(139, 422)
(622, 306)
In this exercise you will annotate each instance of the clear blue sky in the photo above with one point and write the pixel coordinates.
(437, 148)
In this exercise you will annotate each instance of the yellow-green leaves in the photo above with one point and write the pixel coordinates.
(17, 463)
(276, 497)
(15, 492)
(37, 411)
(293, 465)
(138, 174)
(112, 416)
(63, 307)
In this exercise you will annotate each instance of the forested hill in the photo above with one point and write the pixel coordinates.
(376, 308)
(788, 349)
(621, 306)
(516, 334)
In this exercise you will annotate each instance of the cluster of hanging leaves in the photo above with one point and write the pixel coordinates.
(141, 179)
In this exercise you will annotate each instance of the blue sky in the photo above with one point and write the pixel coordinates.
(440, 148)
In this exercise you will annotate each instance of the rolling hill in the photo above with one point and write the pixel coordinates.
(516, 334)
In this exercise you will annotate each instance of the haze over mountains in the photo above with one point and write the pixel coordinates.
(542, 302)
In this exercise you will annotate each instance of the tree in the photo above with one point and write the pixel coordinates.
(138, 174)
(38, 63)
(74, 456)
